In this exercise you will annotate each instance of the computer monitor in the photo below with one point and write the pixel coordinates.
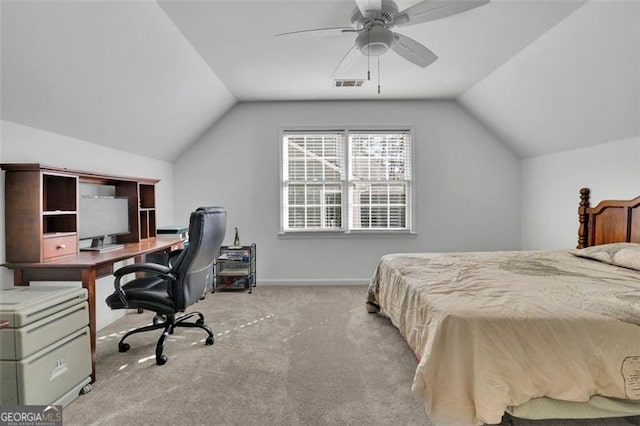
(101, 217)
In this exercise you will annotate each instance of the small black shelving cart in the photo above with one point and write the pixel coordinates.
(235, 268)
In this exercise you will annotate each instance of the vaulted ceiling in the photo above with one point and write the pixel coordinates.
(149, 77)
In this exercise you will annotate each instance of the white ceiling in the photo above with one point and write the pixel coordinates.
(149, 77)
(236, 38)
(577, 86)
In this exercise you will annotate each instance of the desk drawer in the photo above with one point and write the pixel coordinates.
(59, 246)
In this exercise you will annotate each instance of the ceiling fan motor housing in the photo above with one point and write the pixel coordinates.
(385, 15)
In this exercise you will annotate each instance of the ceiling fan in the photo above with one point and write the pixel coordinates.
(373, 20)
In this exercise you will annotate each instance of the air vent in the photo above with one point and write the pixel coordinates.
(348, 83)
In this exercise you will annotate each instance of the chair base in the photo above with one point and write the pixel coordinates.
(168, 325)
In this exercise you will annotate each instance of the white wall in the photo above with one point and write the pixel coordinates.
(21, 144)
(551, 185)
(467, 183)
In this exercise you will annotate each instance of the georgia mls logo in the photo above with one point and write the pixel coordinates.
(31, 415)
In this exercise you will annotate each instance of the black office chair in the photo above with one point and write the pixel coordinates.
(168, 290)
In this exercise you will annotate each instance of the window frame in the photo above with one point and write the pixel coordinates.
(346, 230)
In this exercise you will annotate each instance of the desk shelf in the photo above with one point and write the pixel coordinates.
(39, 203)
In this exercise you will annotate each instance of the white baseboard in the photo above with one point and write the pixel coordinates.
(317, 282)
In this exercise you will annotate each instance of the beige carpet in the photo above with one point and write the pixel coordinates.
(283, 356)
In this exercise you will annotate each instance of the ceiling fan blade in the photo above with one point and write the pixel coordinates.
(431, 10)
(346, 64)
(368, 7)
(319, 32)
(413, 51)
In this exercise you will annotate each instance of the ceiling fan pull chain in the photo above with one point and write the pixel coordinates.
(368, 57)
(378, 74)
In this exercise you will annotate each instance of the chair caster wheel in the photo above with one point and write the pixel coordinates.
(123, 347)
(200, 321)
(209, 341)
(162, 360)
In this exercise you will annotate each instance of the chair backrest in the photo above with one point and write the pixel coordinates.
(194, 268)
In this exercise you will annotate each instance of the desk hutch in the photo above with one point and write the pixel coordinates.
(41, 209)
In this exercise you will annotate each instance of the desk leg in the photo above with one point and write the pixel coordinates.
(138, 259)
(89, 282)
(18, 278)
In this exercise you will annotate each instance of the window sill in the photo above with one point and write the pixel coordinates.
(312, 235)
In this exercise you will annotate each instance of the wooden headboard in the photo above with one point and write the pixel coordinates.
(611, 221)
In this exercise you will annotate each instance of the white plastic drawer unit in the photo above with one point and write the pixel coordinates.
(45, 345)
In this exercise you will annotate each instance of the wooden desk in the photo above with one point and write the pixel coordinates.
(87, 267)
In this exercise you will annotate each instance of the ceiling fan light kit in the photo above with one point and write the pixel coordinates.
(374, 20)
(375, 41)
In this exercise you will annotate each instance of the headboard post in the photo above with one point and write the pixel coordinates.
(583, 218)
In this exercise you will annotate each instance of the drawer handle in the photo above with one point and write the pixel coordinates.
(61, 247)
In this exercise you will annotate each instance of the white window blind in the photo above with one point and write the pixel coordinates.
(313, 171)
(319, 169)
(379, 180)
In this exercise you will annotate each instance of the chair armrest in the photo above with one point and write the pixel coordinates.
(153, 268)
(174, 255)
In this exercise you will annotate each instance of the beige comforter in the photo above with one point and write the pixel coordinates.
(496, 329)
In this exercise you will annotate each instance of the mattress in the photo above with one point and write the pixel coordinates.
(493, 330)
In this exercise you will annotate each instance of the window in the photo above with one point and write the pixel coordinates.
(347, 180)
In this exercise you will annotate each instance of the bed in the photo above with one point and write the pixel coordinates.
(538, 334)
